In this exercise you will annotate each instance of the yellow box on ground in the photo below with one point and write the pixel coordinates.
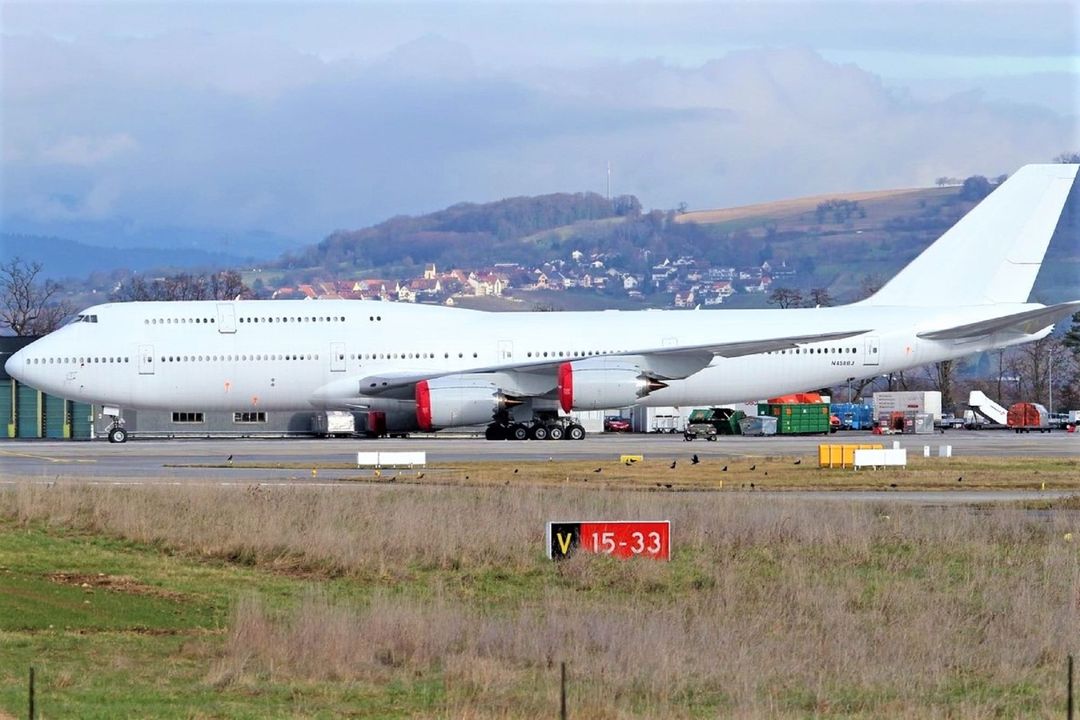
(841, 455)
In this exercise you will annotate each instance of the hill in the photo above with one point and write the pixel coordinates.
(842, 241)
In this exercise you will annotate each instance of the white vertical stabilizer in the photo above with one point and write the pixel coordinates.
(997, 248)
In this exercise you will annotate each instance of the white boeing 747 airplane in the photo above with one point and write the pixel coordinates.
(417, 367)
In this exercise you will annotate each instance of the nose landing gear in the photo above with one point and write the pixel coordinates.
(116, 433)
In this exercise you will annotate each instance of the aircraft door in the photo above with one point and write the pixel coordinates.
(226, 318)
(506, 350)
(337, 357)
(146, 359)
(872, 351)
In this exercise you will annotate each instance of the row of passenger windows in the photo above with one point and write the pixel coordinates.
(178, 321)
(817, 351)
(295, 319)
(231, 358)
(74, 360)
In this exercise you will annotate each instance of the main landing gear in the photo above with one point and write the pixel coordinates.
(539, 429)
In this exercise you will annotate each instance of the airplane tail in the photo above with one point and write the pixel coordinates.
(996, 249)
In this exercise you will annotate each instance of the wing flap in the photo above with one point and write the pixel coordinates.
(1027, 322)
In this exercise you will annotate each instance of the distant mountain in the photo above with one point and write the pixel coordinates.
(60, 257)
(125, 234)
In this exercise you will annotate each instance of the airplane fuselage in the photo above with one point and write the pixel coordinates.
(291, 355)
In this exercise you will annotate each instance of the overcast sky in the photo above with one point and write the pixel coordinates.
(302, 118)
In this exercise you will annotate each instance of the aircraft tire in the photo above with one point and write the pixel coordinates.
(518, 432)
(538, 432)
(118, 435)
(495, 432)
(555, 432)
(575, 432)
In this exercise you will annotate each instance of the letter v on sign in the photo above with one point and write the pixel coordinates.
(564, 545)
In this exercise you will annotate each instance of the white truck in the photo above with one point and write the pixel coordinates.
(907, 401)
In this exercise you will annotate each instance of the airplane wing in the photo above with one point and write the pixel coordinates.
(1026, 323)
(675, 362)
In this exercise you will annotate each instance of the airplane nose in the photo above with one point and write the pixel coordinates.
(14, 365)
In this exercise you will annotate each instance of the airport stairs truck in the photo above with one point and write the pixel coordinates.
(985, 408)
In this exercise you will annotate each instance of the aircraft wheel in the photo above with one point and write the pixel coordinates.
(555, 432)
(519, 432)
(495, 432)
(539, 432)
(575, 432)
(118, 435)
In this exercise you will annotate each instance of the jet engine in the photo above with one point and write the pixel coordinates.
(455, 400)
(601, 383)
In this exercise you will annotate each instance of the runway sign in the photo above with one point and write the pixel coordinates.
(622, 539)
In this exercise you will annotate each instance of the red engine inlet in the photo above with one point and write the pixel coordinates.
(423, 406)
(600, 384)
(566, 387)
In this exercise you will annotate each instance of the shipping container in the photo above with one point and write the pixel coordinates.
(798, 419)
(853, 416)
(886, 403)
(1025, 417)
(758, 425)
(333, 422)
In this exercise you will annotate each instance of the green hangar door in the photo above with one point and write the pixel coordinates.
(28, 417)
(56, 419)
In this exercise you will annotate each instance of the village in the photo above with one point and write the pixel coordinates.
(686, 282)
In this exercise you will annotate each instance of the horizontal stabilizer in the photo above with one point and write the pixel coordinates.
(1028, 322)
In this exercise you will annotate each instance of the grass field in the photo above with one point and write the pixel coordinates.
(437, 600)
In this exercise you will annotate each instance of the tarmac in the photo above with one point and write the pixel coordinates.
(170, 461)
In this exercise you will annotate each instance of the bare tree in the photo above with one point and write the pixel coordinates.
(869, 285)
(786, 297)
(226, 285)
(819, 297)
(29, 306)
(942, 375)
(1068, 158)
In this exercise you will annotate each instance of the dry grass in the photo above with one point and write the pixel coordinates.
(785, 208)
(770, 608)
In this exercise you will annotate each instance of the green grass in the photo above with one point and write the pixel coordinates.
(104, 653)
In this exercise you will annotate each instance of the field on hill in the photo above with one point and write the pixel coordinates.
(438, 601)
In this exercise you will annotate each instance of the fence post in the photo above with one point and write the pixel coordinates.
(31, 692)
(562, 690)
(1069, 694)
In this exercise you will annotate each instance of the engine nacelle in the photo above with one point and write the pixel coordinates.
(455, 400)
(601, 384)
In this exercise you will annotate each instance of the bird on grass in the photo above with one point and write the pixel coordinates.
(766, 472)
(673, 464)
(892, 485)
(960, 479)
(798, 461)
(751, 486)
(667, 485)
(753, 467)
(229, 460)
(599, 469)
(515, 471)
(419, 476)
(723, 469)
(694, 460)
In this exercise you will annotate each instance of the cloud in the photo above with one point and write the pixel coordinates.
(87, 151)
(227, 131)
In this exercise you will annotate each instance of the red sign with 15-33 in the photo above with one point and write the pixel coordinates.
(623, 539)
